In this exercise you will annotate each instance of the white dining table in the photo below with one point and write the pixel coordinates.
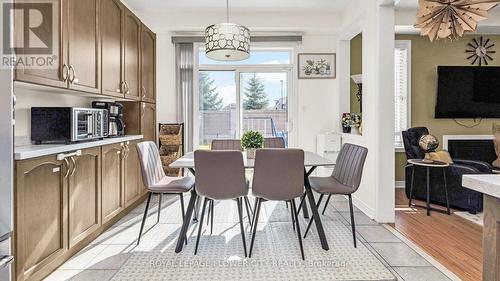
(311, 162)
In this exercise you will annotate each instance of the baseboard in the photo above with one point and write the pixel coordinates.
(363, 207)
(400, 184)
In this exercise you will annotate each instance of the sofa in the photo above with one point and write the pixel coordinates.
(460, 198)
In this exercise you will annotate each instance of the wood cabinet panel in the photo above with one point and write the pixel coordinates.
(40, 215)
(112, 47)
(83, 45)
(133, 180)
(132, 55)
(148, 121)
(84, 195)
(112, 181)
(52, 76)
(148, 65)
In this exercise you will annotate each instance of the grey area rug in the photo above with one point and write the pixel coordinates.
(276, 253)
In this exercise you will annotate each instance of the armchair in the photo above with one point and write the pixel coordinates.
(460, 198)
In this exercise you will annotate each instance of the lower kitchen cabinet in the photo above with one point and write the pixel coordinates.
(84, 195)
(40, 227)
(134, 187)
(112, 180)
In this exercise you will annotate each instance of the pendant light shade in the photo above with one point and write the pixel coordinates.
(227, 41)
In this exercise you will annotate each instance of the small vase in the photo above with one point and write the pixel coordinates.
(346, 130)
(251, 153)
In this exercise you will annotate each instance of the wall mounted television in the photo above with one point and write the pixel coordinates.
(468, 92)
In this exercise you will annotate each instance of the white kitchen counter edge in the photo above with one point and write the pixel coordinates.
(31, 151)
(486, 184)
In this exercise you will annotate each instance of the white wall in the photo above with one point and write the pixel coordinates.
(316, 99)
(376, 193)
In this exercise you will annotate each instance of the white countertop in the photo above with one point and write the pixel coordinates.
(31, 151)
(487, 184)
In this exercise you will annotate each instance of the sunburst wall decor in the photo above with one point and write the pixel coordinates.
(451, 18)
(480, 51)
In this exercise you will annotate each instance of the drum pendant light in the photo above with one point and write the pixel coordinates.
(227, 41)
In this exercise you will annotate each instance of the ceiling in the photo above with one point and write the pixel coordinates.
(252, 5)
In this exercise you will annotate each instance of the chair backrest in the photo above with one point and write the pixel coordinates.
(410, 142)
(278, 174)
(151, 167)
(274, 142)
(220, 174)
(349, 166)
(226, 144)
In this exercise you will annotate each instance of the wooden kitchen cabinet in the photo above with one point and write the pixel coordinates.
(41, 235)
(84, 195)
(148, 121)
(83, 45)
(112, 181)
(132, 38)
(134, 187)
(112, 12)
(148, 64)
(55, 76)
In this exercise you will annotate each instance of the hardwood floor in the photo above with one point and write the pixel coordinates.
(453, 241)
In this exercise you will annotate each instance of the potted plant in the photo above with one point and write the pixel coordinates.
(308, 68)
(346, 123)
(250, 141)
(356, 123)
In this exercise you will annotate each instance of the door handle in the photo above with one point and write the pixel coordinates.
(72, 75)
(65, 72)
(143, 91)
(127, 89)
(67, 167)
(5, 261)
(74, 166)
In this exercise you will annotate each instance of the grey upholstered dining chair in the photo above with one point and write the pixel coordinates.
(275, 142)
(278, 176)
(220, 175)
(157, 182)
(229, 144)
(344, 180)
(226, 144)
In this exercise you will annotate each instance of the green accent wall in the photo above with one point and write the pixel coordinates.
(356, 68)
(425, 57)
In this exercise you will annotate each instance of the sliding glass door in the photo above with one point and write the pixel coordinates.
(231, 102)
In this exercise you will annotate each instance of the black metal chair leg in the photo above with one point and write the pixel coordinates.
(297, 226)
(209, 211)
(301, 202)
(144, 217)
(182, 211)
(242, 229)
(200, 226)
(286, 202)
(258, 203)
(311, 220)
(249, 212)
(446, 192)
(292, 215)
(159, 207)
(411, 185)
(353, 227)
(211, 217)
(326, 204)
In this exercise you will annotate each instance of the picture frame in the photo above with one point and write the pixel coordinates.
(316, 65)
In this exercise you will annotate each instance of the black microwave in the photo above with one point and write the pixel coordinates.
(67, 124)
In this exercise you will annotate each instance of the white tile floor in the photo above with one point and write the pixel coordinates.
(113, 253)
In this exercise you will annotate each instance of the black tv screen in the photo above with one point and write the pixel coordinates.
(468, 92)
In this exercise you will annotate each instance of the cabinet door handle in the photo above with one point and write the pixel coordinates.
(71, 74)
(74, 166)
(143, 91)
(127, 89)
(65, 72)
(67, 167)
(75, 79)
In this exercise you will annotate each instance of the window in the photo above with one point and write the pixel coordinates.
(402, 87)
(234, 97)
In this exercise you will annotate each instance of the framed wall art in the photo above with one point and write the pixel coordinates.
(316, 66)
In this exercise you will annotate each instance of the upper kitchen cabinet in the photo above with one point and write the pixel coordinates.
(132, 45)
(55, 74)
(112, 12)
(83, 45)
(148, 65)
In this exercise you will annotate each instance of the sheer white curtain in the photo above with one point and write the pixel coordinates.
(184, 61)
